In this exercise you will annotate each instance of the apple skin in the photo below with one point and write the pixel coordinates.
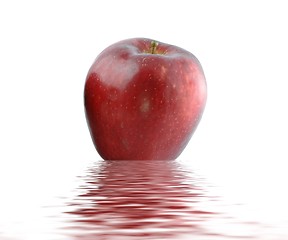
(143, 100)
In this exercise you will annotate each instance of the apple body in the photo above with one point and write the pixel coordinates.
(143, 100)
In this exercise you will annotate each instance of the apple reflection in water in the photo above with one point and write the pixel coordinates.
(138, 200)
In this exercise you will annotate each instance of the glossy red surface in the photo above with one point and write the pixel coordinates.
(141, 105)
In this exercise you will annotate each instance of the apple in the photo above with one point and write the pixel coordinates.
(143, 100)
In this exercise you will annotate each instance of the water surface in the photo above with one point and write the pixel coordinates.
(142, 200)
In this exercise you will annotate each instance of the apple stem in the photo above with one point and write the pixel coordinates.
(153, 47)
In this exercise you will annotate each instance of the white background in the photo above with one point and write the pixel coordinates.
(47, 47)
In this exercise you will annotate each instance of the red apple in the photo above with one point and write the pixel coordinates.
(143, 100)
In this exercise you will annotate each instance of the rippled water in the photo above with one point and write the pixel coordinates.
(143, 200)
